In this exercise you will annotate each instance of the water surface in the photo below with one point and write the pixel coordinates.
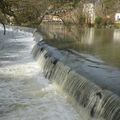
(104, 44)
(24, 92)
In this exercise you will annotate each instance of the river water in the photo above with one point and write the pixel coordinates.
(95, 50)
(104, 44)
(24, 92)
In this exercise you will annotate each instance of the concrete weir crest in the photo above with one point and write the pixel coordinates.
(100, 104)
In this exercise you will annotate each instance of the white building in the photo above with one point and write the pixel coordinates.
(117, 17)
(89, 12)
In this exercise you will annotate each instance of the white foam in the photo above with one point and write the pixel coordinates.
(24, 92)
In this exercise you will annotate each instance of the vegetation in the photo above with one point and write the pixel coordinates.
(82, 20)
(32, 12)
(98, 21)
(27, 12)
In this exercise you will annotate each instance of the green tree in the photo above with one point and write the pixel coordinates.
(29, 12)
(98, 21)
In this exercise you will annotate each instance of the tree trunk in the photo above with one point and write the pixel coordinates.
(4, 27)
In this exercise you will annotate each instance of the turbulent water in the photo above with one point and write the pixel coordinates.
(96, 102)
(51, 89)
(24, 92)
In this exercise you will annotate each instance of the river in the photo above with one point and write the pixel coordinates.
(61, 85)
(103, 44)
(24, 92)
(98, 50)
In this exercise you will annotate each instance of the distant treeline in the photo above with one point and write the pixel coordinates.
(32, 12)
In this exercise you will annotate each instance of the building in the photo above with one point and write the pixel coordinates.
(117, 17)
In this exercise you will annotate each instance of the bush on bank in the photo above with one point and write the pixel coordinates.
(98, 21)
(82, 20)
(117, 25)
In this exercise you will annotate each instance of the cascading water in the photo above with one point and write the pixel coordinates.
(100, 104)
(25, 94)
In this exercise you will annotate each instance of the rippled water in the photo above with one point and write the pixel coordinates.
(24, 92)
(104, 44)
(95, 52)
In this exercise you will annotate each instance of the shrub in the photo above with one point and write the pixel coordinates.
(107, 22)
(98, 21)
(117, 25)
(82, 20)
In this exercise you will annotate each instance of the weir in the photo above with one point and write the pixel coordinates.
(25, 94)
(100, 103)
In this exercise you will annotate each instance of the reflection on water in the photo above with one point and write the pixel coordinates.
(116, 35)
(88, 37)
(101, 43)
